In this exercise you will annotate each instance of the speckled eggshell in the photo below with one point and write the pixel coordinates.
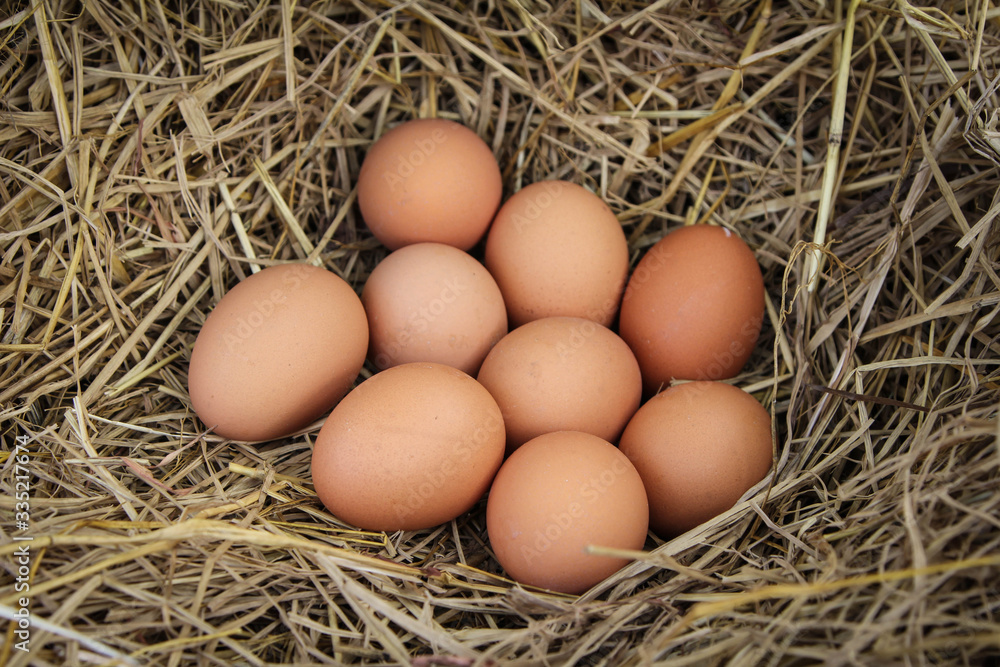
(694, 306)
(555, 496)
(411, 447)
(698, 446)
(277, 351)
(430, 180)
(555, 248)
(432, 302)
(562, 373)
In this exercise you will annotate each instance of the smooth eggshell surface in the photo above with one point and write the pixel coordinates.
(694, 306)
(698, 446)
(556, 495)
(432, 302)
(277, 351)
(555, 248)
(562, 374)
(411, 447)
(429, 180)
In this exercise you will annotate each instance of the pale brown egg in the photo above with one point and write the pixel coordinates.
(555, 496)
(429, 180)
(432, 302)
(562, 374)
(277, 351)
(555, 248)
(694, 306)
(698, 446)
(411, 447)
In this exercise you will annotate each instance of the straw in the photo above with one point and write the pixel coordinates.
(152, 155)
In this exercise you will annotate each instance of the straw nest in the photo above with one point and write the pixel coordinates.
(153, 154)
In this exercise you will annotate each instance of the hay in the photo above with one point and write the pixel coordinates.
(154, 154)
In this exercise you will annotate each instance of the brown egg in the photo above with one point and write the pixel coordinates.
(279, 350)
(694, 306)
(562, 374)
(555, 248)
(555, 496)
(432, 302)
(698, 446)
(429, 180)
(411, 447)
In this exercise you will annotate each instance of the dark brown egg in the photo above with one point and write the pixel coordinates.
(694, 307)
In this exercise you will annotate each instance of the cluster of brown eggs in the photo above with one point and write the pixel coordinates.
(521, 376)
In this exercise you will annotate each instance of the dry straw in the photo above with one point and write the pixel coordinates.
(153, 154)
